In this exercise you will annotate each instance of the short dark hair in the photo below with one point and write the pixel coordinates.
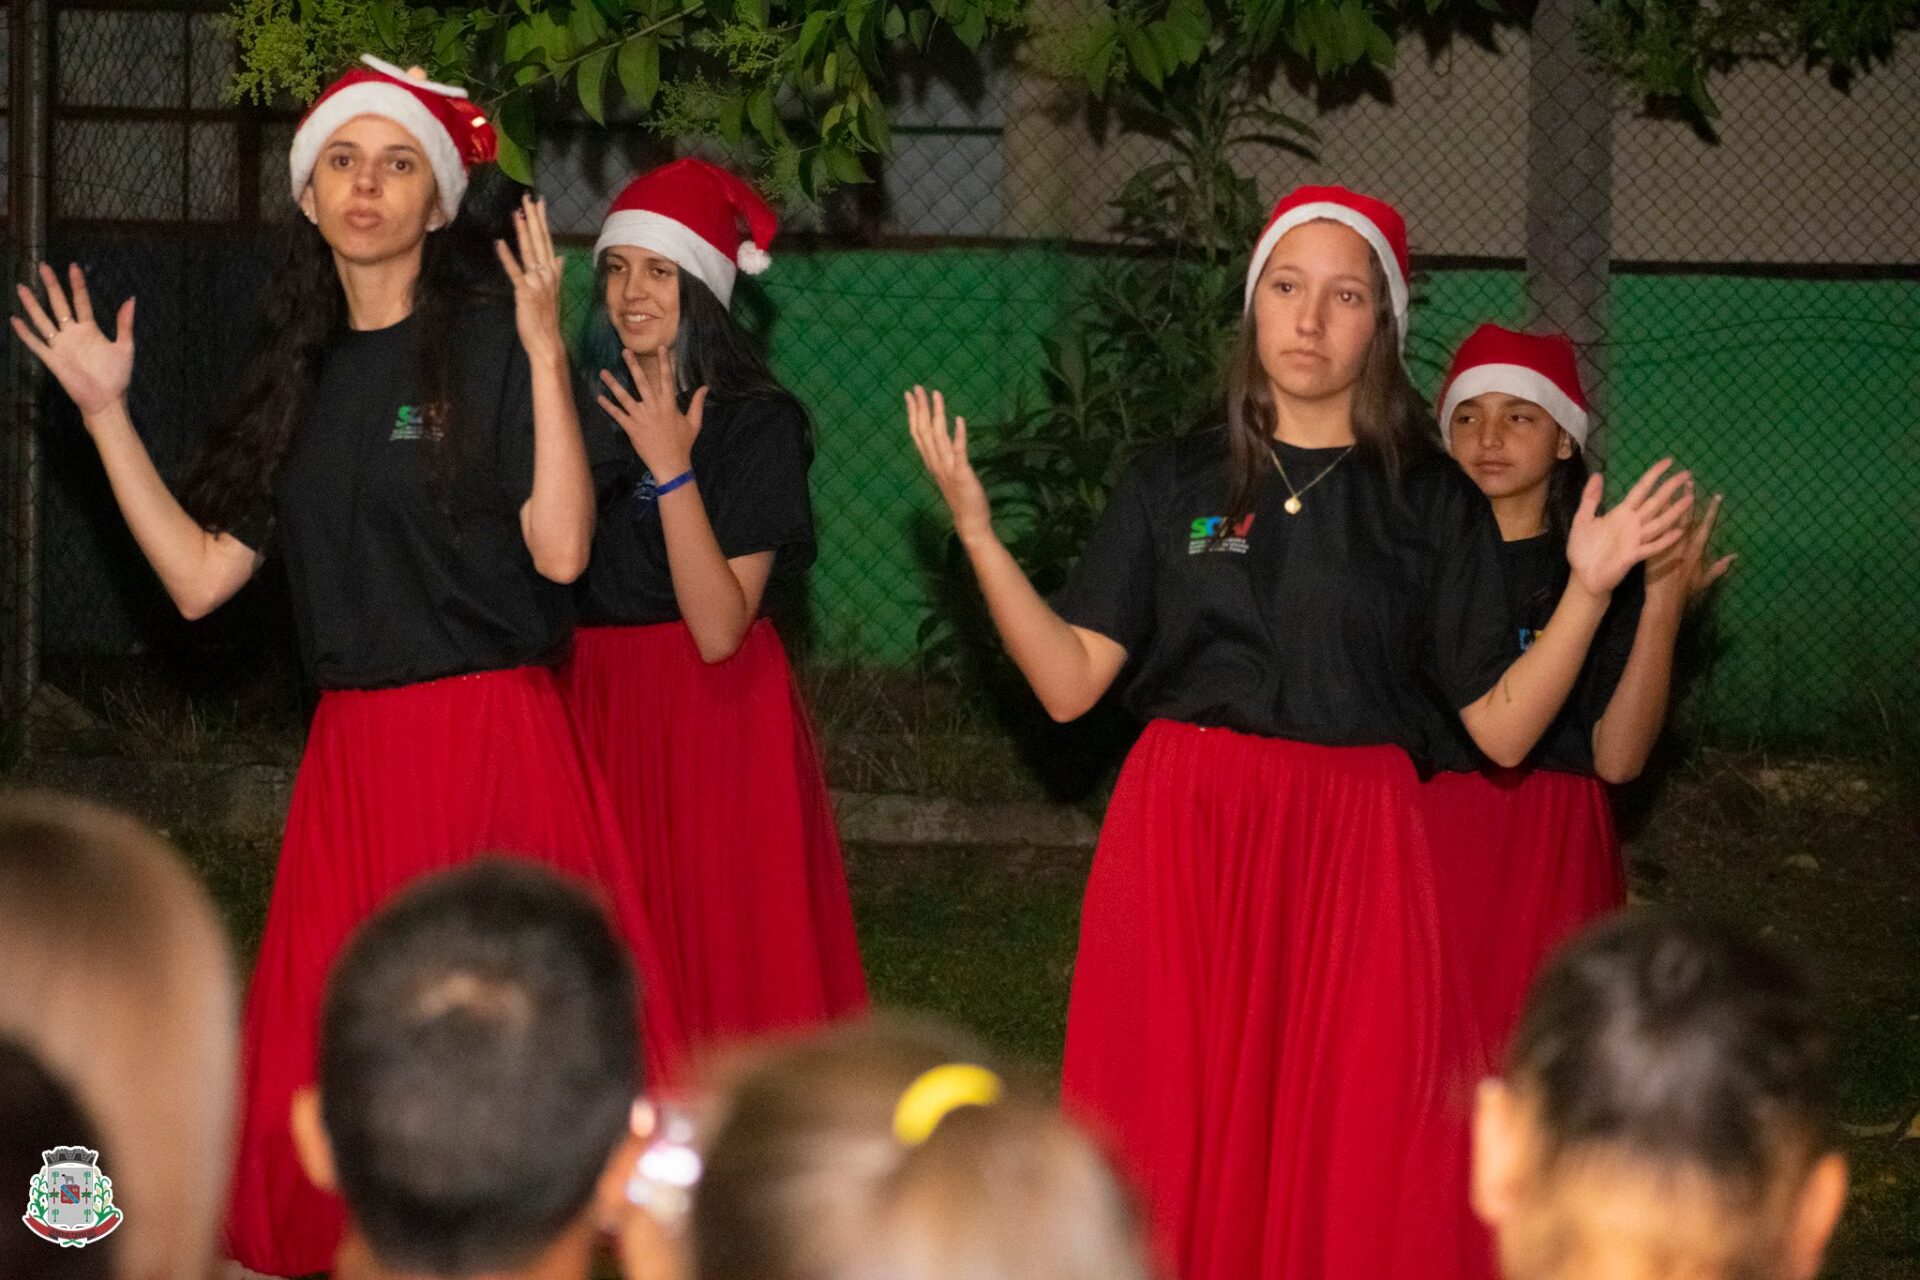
(38, 1112)
(1681, 1040)
(479, 1055)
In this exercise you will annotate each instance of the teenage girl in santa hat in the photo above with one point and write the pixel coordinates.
(1265, 1011)
(410, 445)
(678, 682)
(1528, 855)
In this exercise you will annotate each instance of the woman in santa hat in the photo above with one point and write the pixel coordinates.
(1526, 856)
(1266, 1015)
(406, 437)
(678, 681)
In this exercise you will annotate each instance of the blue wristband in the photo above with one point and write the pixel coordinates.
(662, 490)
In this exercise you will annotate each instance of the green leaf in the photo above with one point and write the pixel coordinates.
(856, 17)
(639, 67)
(591, 81)
(586, 24)
(920, 27)
(1381, 50)
(830, 69)
(513, 124)
(1355, 28)
(1141, 52)
(761, 115)
(447, 41)
(811, 30)
(971, 27)
(844, 166)
(381, 16)
(514, 162)
(896, 23)
(519, 42)
(1100, 65)
(733, 113)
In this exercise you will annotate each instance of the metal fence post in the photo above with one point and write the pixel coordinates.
(31, 108)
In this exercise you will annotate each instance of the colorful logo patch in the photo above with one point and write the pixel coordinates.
(70, 1202)
(410, 423)
(1205, 535)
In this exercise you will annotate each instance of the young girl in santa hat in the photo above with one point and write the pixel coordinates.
(410, 445)
(1527, 855)
(678, 681)
(1262, 1014)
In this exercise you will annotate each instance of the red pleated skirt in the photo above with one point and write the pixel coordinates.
(717, 782)
(396, 783)
(1523, 860)
(1265, 1021)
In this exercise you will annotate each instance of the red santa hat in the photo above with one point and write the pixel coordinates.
(1376, 221)
(692, 211)
(449, 128)
(1533, 366)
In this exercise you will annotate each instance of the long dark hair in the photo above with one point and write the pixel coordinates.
(304, 308)
(711, 350)
(1391, 426)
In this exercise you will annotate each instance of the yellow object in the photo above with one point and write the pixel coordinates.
(938, 1093)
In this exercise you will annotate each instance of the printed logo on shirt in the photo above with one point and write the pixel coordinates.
(1202, 534)
(645, 490)
(413, 422)
(1527, 636)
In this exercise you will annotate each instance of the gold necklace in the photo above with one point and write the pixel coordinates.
(1292, 505)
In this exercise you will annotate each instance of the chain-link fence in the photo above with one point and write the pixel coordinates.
(1750, 303)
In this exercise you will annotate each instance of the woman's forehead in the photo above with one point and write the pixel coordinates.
(634, 256)
(373, 133)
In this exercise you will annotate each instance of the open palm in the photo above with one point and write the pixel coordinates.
(1648, 520)
(62, 335)
(946, 461)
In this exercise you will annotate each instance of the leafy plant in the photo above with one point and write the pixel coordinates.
(794, 86)
(1671, 48)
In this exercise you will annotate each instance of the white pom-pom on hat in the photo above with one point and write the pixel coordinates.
(752, 258)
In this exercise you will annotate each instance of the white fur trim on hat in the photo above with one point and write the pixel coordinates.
(1515, 380)
(1346, 217)
(434, 86)
(645, 229)
(390, 102)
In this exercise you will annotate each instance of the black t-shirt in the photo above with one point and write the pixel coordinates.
(750, 463)
(1536, 574)
(1339, 625)
(405, 556)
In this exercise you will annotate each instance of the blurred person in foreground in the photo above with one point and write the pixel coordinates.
(478, 1053)
(889, 1150)
(120, 985)
(1666, 1114)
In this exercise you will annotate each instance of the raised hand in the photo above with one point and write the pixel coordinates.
(650, 414)
(91, 369)
(536, 273)
(1649, 520)
(945, 457)
(1681, 572)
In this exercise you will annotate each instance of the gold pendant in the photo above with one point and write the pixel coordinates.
(1291, 506)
